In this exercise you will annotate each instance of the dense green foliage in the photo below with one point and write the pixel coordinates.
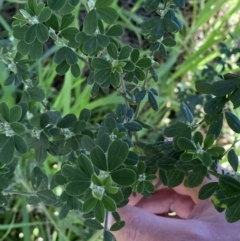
(103, 164)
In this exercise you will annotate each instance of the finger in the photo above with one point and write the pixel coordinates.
(133, 200)
(167, 200)
(142, 226)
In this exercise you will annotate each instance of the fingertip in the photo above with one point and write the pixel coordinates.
(138, 224)
(133, 200)
(110, 220)
(127, 214)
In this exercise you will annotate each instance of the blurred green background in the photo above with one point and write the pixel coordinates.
(208, 46)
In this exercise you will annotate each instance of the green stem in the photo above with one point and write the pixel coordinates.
(3, 59)
(124, 91)
(198, 124)
(165, 9)
(14, 192)
(106, 221)
(165, 5)
(84, 2)
(145, 81)
(216, 174)
(135, 134)
(84, 60)
(235, 141)
(143, 87)
(52, 221)
(136, 111)
(96, 236)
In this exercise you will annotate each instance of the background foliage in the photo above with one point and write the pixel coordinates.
(203, 51)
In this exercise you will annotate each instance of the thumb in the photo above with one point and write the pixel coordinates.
(142, 225)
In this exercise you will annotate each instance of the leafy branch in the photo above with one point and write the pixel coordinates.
(102, 166)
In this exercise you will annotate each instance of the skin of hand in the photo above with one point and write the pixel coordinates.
(195, 220)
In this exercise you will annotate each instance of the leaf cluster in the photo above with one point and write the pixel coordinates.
(102, 165)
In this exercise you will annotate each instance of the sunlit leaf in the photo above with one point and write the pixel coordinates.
(207, 160)
(207, 190)
(216, 126)
(169, 42)
(15, 113)
(56, 5)
(76, 188)
(209, 140)
(174, 178)
(144, 63)
(90, 22)
(36, 50)
(31, 34)
(151, 5)
(109, 203)
(93, 224)
(187, 113)
(222, 88)
(18, 128)
(45, 15)
(47, 196)
(108, 15)
(7, 152)
(215, 105)
(73, 203)
(117, 154)
(36, 177)
(90, 45)
(67, 121)
(112, 50)
(124, 177)
(42, 33)
(99, 159)
(117, 226)
(99, 211)
(186, 144)
(152, 100)
(158, 29)
(233, 122)
(233, 159)
(89, 204)
(66, 20)
(103, 3)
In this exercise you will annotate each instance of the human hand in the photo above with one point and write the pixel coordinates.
(195, 220)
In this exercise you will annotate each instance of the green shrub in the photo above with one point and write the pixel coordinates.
(103, 164)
